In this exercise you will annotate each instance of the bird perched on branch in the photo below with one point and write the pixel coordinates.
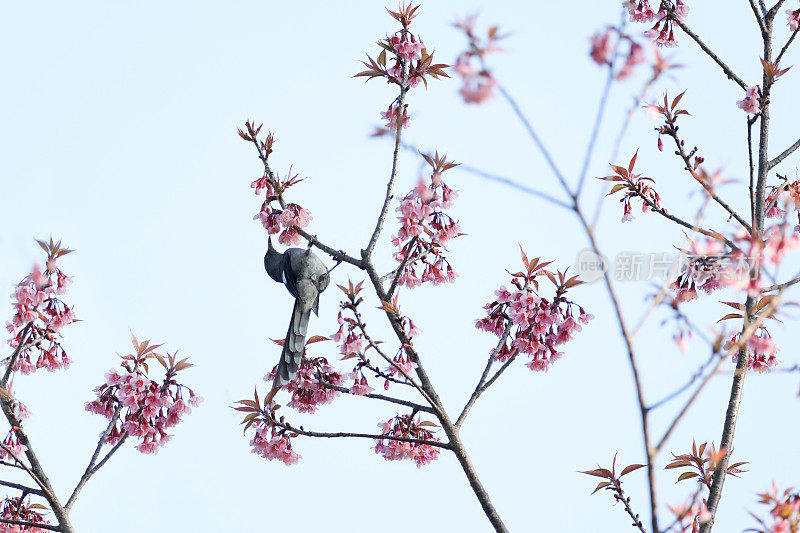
(305, 277)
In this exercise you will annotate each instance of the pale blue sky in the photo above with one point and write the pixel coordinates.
(119, 137)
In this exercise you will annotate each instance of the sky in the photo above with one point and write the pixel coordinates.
(119, 137)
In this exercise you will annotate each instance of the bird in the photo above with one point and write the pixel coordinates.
(305, 276)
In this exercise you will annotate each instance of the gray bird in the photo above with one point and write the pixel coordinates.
(305, 277)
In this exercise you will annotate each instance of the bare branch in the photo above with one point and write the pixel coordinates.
(23, 488)
(31, 524)
(401, 109)
(341, 434)
(374, 396)
(88, 472)
(721, 358)
(783, 155)
(786, 46)
(759, 17)
(479, 387)
(536, 140)
(673, 132)
(725, 68)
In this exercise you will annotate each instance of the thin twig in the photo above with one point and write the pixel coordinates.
(725, 68)
(23, 488)
(342, 434)
(759, 17)
(23, 523)
(596, 128)
(88, 472)
(374, 396)
(680, 390)
(536, 140)
(786, 46)
(401, 120)
(479, 387)
(786, 153)
(111, 452)
(690, 401)
(673, 132)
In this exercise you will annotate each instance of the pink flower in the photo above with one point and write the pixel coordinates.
(635, 57)
(290, 236)
(794, 19)
(392, 119)
(602, 49)
(750, 103)
(361, 387)
(478, 89)
(639, 11)
(269, 219)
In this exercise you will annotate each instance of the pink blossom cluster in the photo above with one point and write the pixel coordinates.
(37, 307)
(406, 426)
(528, 323)
(273, 443)
(406, 45)
(424, 230)
(794, 19)
(784, 514)
(537, 326)
(603, 48)
(401, 362)
(477, 85)
(635, 57)
(393, 117)
(21, 510)
(641, 190)
(751, 103)
(147, 408)
(789, 193)
(290, 218)
(308, 393)
(21, 413)
(662, 32)
(761, 350)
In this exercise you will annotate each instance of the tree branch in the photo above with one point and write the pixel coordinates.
(341, 434)
(479, 387)
(23, 488)
(88, 472)
(725, 68)
(689, 402)
(401, 109)
(390, 399)
(783, 155)
(23, 523)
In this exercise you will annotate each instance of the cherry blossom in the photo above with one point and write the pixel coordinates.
(40, 315)
(478, 85)
(760, 348)
(536, 326)
(308, 393)
(751, 103)
(274, 444)
(794, 19)
(407, 426)
(425, 228)
(392, 117)
(143, 408)
(602, 48)
(22, 510)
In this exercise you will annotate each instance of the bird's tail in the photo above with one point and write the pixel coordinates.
(292, 354)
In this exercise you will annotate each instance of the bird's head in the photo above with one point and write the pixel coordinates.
(273, 262)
